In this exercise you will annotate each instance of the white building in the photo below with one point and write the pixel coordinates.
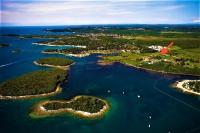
(156, 47)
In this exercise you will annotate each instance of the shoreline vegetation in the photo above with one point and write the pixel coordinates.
(104, 63)
(77, 53)
(57, 90)
(34, 84)
(71, 55)
(54, 66)
(61, 63)
(188, 86)
(83, 106)
(157, 63)
(49, 44)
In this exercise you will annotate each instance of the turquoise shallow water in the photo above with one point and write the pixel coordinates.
(160, 106)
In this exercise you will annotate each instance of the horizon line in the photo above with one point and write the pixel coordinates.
(102, 24)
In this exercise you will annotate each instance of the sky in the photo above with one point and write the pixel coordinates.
(81, 12)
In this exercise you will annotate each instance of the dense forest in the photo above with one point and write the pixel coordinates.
(83, 103)
(66, 50)
(55, 61)
(37, 82)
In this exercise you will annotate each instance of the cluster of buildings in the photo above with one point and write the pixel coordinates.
(156, 47)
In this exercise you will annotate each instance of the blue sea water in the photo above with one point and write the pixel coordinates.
(141, 102)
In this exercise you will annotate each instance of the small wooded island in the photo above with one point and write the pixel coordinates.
(62, 63)
(84, 106)
(33, 84)
(4, 45)
(189, 86)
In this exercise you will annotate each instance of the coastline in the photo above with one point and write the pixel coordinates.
(49, 44)
(40, 111)
(55, 66)
(150, 70)
(102, 63)
(71, 55)
(179, 85)
(58, 89)
(88, 53)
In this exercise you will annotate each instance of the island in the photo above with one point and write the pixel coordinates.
(58, 30)
(83, 106)
(48, 36)
(4, 45)
(34, 84)
(189, 86)
(62, 63)
(10, 35)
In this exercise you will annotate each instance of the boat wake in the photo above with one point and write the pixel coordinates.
(8, 64)
(15, 62)
(173, 97)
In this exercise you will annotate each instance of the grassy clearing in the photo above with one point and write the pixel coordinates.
(182, 61)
